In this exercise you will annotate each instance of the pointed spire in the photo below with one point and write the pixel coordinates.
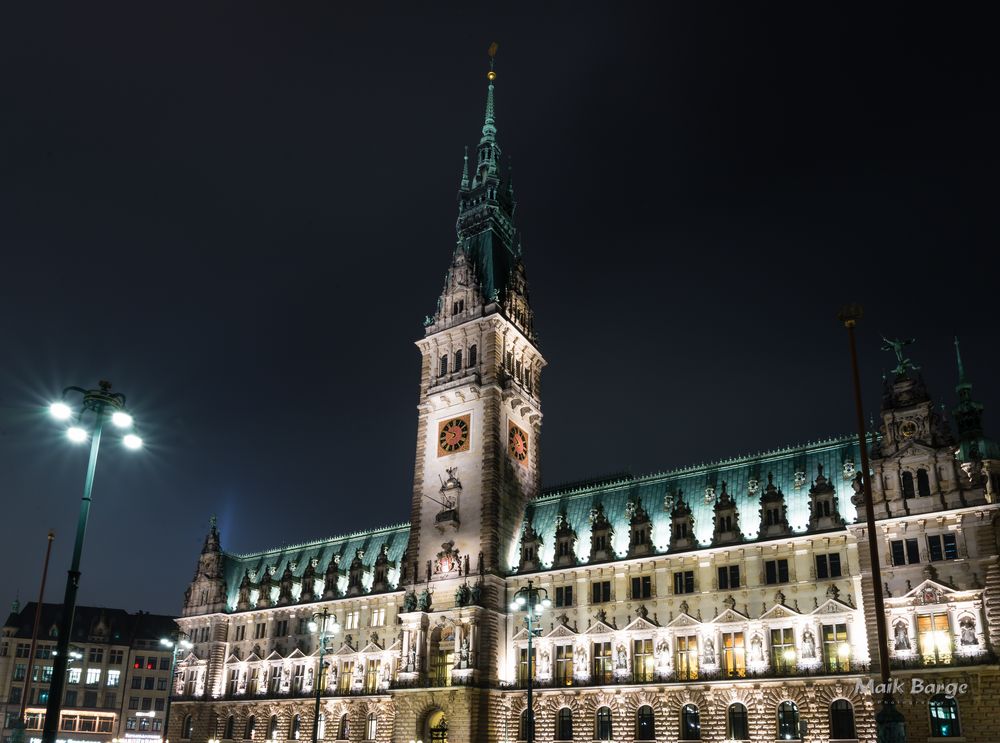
(489, 124)
(962, 381)
(465, 171)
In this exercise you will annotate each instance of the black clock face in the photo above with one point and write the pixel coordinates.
(453, 435)
(517, 443)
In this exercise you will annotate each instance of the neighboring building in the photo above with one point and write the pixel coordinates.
(117, 689)
(724, 601)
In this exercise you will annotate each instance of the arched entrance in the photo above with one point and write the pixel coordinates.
(435, 727)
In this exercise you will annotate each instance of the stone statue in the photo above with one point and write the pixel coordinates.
(901, 637)
(463, 653)
(808, 644)
(621, 658)
(424, 600)
(462, 595)
(896, 346)
(756, 649)
(968, 626)
(476, 595)
(543, 663)
(581, 657)
(409, 601)
(709, 654)
(411, 664)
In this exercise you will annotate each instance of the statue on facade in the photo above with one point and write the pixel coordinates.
(709, 651)
(968, 636)
(896, 346)
(411, 663)
(808, 644)
(756, 649)
(901, 636)
(462, 595)
(463, 653)
(424, 601)
(621, 658)
(476, 594)
(409, 601)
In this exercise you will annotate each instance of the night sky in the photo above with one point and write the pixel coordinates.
(240, 214)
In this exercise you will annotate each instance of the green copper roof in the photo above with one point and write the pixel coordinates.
(651, 490)
(322, 550)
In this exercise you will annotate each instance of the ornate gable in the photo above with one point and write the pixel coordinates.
(561, 630)
(779, 611)
(730, 616)
(599, 628)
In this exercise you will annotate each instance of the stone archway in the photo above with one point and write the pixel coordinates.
(435, 726)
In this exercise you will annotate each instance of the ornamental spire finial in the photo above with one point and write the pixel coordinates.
(962, 382)
(465, 170)
(489, 125)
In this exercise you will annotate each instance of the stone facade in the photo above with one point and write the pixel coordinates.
(728, 601)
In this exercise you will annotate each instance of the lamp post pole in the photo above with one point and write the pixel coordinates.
(320, 627)
(102, 403)
(532, 601)
(891, 726)
(180, 641)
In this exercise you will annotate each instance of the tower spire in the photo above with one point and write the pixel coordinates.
(489, 124)
(465, 171)
(963, 383)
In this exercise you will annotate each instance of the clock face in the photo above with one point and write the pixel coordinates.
(453, 435)
(907, 429)
(517, 443)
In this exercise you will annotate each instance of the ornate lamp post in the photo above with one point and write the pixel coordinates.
(532, 601)
(98, 407)
(319, 626)
(889, 721)
(179, 642)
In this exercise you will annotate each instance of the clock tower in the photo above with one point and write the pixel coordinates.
(479, 415)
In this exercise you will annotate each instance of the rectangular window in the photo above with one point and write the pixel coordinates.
(836, 650)
(729, 577)
(93, 676)
(15, 695)
(96, 655)
(161, 684)
(23, 650)
(684, 581)
(115, 657)
(602, 662)
(828, 566)
(281, 628)
(601, 591)
(71, 698)
(137, 682)
(643, 663)
(352, 619)
(642, 587)
(346, 676)
(113, 679)
(147, 704)
(522, 665)
(783, 650)
(21, 670)
(564, 596)
(158, 704)
(776, 571)
(139, 662)
(934, 638)
(133, 702)
(241, 632)
(110, 700)
(151, 663)
(130, 724)
(942, 547)
(165, 663)
(733, 655)
(150, 681)
(686, 662)
(905, 552)
(378, 618)
(298, 676)
(564, 665)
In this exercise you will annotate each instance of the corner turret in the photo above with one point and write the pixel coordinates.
(207, 592)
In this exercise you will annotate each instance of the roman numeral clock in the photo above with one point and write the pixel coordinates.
(453, 435)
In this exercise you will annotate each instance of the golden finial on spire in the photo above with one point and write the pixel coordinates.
(492, 51)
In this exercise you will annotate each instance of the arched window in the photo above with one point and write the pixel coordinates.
(272, 727)
(249, 728)
(522, 731)
(690, 723)
(923, 483)
(842, 720)
(371, 727)
(230, 728)
(295, 727)
(321, 726)
(472, 355)
(908, 485)
(458, 361)
(788, 721)
(736, 722)
(443, 368)
(344, 728)
(944, 717)
(564, 724)
(187, 729)
(602, 725)
(644, 723)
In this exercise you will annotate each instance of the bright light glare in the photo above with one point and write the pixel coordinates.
(60, 411)
(539, 609)
(789, 654)
(520, 600)
(514, 606)
(335, 629)
(313, 626)
(166, 643)
(187, 644)
(76, 434)
(132, 441)
(546, 603)
(121, 419)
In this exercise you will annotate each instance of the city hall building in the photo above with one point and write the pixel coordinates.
(727, 601)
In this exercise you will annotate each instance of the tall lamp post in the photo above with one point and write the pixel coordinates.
(319, 626)
(178, 643)
(891, 725)
(532, 601)
(97, 407)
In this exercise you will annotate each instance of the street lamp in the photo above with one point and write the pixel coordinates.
(321, 629)
(532, 601)
(889, 721)
(97, 406)
(180, 641)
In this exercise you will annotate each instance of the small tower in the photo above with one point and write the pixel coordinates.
(531, 545)
(978, 456)
(773, 511)
(565, 543)
(207, 592)
(601, 534)
(640, 538)
(823, 511)
(726, 526)
(682, 525)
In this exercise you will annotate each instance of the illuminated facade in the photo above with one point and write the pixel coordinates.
(729, 601)
(118, 679)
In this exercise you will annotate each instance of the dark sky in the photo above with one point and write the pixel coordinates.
(240, 214)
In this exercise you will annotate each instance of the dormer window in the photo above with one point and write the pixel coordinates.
(443, 368)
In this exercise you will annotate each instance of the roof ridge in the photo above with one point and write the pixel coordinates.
(638, 479)
(315, 542)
